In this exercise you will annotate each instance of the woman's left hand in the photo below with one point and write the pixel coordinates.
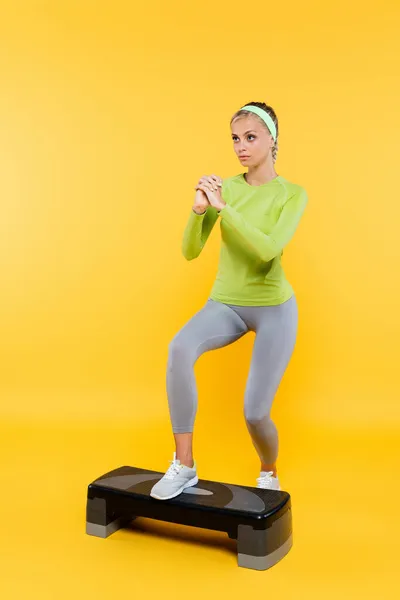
(212, 191)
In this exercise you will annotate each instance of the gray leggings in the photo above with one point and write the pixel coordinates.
(217, 325)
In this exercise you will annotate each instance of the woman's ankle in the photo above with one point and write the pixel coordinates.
(268, 468)
(185, 460)
(184, 448)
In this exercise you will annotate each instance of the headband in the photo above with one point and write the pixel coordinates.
(264, 116)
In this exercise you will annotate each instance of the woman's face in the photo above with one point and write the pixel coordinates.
(251, 141)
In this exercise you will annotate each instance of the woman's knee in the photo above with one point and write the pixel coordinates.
(258, 402)
(256, 421)
(179, 349)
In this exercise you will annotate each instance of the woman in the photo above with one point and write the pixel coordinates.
(259, 212)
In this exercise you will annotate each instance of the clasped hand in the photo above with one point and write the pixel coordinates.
(211, 185)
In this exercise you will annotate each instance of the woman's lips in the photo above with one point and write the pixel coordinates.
(243, 157)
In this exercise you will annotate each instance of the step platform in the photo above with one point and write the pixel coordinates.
(260, 520)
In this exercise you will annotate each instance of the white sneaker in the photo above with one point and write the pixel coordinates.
(176, 479)
(266, 481)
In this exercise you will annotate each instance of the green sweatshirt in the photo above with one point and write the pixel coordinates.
(256, 223)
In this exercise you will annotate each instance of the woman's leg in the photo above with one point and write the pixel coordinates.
(276, 330)
(214, 326)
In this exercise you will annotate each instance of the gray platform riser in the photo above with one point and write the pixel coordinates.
(261, 563)
(262, 542)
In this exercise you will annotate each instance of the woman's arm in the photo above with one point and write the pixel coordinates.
(197, 230)
(267, 246)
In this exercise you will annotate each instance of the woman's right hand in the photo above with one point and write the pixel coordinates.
(201, 201)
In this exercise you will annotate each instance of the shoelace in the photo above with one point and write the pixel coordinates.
(174, 469)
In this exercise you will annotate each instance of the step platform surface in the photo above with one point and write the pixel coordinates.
(260, 520)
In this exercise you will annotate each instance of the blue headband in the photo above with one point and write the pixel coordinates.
(264, 116)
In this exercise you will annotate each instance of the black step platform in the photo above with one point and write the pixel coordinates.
(260, 520)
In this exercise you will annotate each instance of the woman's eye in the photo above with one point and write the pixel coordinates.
(235, 139)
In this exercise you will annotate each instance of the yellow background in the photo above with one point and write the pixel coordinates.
(109, 114)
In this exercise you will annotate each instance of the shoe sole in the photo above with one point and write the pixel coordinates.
(190, 483)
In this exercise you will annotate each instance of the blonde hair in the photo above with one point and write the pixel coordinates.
(244, 113)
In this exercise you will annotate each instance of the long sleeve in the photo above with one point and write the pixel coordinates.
(263, 245)
(196, 233)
